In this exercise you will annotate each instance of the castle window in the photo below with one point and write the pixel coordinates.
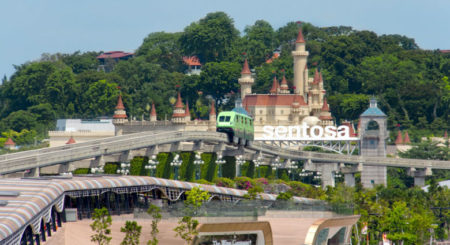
(281, 112)
(260, 112)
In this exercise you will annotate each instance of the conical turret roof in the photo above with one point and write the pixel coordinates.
(71, 141)
(275, 86)
(407, 140)
(187, 112)
(300, 38)
(284, 85)
(399, 139)
(9, 141)
(325, 105)
(179, 103)
(153, 112)
(246, 68)
(212, 111)
(120, 105)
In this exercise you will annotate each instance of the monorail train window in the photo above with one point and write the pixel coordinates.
(227, 118)
(221, 118)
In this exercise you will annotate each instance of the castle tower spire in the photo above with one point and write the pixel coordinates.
(284, 88)
(153, 116)
(212, 112)
(120, 115)
(300, 57)
(179, 115)
(246, 81)
(187, 112)
(275, 86)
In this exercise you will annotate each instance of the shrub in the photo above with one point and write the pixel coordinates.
(81, 171)
(224, 182)
(244, 183)
(111, 168)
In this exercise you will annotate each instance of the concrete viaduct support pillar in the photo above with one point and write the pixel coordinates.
(328, 171)
(419, 175)
(99, 161)
(373, 175)
(349, 173)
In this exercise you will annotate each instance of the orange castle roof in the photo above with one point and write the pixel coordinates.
(153, 112)
(179, 103)
(399, 139)
(245, 68)
(71, 141)
(407, 140)
(119, 105)
(275, 86)
(300, 38)
(9, 141)
(325, 105)
(273, 100)
(213, 108)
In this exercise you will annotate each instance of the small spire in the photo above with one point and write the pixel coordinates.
(399, 139)
(119, 105)
(179, 103)
(275, 86)
(316, 77)
(284, 85)
(187, 112)
(71, 141)
(213, 108)
(445, 135)
(325, 105)
(407, 140)
(320, 77)
(153, 112)
(300, 38)
(245, 68)
(10, 142)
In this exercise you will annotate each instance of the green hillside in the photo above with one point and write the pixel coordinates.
(410, 83)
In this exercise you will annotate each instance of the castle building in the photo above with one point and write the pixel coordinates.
(281, 107)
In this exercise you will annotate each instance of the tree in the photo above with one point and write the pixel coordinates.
(101, 224)
(427, 150)
(196, 197)
(155, 212)
(396, 223)
(285, 196)
(211, 38)
(218, 79)
(132, 233)
(253, 192)
(186, 229)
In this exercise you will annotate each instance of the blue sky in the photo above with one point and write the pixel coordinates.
(32, 27)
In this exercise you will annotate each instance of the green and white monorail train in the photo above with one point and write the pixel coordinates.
(237, 125)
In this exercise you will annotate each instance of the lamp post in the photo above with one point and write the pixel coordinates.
(220, 161)
(258, 161)
(239, 161)
(197, 163)
(124, 168)
(97, 170)
(304, 174)
(275, 166)
(151, 165)
(292, 168)
(176, 163)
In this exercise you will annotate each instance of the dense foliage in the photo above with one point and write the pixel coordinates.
(411, 84)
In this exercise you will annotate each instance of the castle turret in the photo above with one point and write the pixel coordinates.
(284, 88)
(153, 116)
(406, 140)
(179, 114)
(212, 112)
(9, 144)
(325, 114)
(275, 86)
(120, 115)
(246, 81)
(399, 139)
(71, 141)
(300, 57)
(187, 113)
